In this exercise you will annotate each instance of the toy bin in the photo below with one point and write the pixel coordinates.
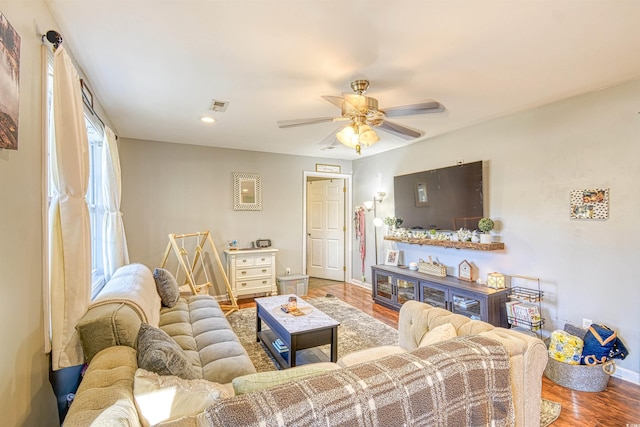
(297, 284)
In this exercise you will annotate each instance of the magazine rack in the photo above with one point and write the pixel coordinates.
(524, 310)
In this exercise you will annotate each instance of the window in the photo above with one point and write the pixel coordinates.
(95, 204)
(94, 198)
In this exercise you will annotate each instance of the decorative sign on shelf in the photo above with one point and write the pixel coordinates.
(590, 204)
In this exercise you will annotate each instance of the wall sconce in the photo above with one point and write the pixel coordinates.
(496, 281)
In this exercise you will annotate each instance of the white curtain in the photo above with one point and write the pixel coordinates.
(69, 222)
(115, 253)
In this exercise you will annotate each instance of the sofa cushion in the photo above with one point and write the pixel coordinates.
(201, 329)
(105, 395)
(166, 398)
(444, 332)
(108, 325)
(261, 380)
(159, 353)
(167, 285)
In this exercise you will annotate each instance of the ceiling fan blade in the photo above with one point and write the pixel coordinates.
(399, 130)
(335, 100)
(409, 110)
(302, 122)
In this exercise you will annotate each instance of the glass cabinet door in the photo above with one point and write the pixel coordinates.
(384, 286)
(406, 290)
(434, 296)
(467, 306)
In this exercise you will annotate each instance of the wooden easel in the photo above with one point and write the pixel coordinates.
(189, 268)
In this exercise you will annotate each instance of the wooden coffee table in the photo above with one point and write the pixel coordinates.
(311, 330)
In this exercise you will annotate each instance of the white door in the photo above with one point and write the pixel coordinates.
(326, 229)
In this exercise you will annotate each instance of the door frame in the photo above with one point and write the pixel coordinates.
(347, 221)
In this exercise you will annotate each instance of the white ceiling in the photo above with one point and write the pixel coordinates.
(155, 65)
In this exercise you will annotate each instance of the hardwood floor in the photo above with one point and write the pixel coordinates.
(618, 405)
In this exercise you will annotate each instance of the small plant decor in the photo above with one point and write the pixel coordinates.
(394, 222)
(486, 225)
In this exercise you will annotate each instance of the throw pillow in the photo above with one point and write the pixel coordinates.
(166, 398)
(444, 332)
(167, 285)
(261, 380)
(159, 353)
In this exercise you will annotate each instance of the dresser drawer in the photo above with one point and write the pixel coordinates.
(244, 273)
(245, 261)
(253, 286)
(262, 260)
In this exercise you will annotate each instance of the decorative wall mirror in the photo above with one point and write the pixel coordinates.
(247, 192)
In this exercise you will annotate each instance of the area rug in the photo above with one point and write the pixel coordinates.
(549, 412)
(357, 331)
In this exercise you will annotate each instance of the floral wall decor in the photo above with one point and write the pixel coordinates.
(590, 204)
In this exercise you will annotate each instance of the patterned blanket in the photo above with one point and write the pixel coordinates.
(460, 382)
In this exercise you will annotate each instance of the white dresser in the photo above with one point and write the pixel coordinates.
(252, 271)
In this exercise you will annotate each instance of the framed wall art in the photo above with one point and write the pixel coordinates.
(10, 84)
(590, 204)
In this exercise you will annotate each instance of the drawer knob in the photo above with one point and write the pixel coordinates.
(243, 284)
(244, 260)
(264, 270)
(243, 272)
(263, 259)
(264, 282)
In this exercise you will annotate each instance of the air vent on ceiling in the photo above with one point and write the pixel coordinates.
(218, 106)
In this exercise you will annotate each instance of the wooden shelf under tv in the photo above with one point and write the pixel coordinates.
(494, 246)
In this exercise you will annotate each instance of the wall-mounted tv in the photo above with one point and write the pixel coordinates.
(443, 199)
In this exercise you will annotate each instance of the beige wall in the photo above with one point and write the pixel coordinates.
(178, 188)
(533, 160)
(26, 397)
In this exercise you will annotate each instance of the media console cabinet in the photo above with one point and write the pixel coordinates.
(393, 286)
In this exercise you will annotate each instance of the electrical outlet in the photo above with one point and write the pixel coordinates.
(287, 271)
(586, 323)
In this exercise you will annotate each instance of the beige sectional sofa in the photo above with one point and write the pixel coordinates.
(106, 394)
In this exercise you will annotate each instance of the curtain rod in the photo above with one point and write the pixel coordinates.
(55, 39)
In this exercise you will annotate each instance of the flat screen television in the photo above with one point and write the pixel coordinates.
(443, 199)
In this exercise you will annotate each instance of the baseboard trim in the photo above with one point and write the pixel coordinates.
(627, 375)
(361, 284)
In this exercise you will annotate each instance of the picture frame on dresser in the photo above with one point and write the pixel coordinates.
(392, 257)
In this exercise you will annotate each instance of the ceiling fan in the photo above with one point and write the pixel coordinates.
(361, 113)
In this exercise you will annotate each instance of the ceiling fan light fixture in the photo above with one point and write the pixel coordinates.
(356, 136)
(348, 136)
(367, 137)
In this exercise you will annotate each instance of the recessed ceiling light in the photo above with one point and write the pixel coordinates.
(207, 119)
